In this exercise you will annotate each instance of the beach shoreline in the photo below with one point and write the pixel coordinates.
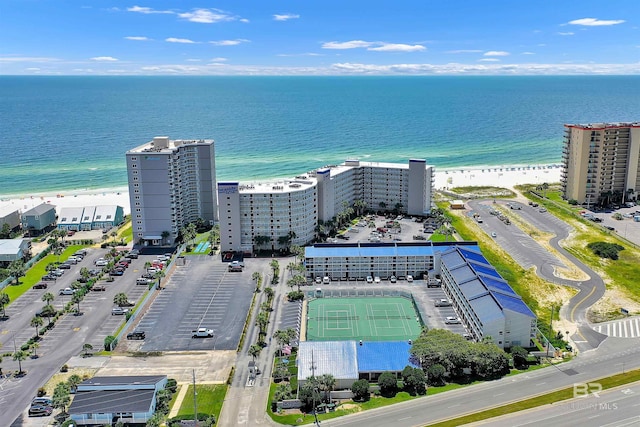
(506, 176)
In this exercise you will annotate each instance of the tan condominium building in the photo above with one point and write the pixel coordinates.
(275, 215)
(171, 183)
(601, 163)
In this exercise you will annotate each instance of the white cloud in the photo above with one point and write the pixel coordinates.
(177, 40)
(496, 53)
(137, 38)
(353, 44)
(299, 54)
(32, 69)
(464, 51)
(594, 22)
(228, 42)
(489, 60)
(527, 53)
(219, 59)
(244, 20)
(207, 16)
(285, 17)
(147, 10)
(568, 33)
(393, 47)
(104, 59)
(26, 59)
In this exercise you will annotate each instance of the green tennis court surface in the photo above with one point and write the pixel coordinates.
(367, 319)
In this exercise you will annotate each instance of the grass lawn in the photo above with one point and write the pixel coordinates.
(35, 273)
(200, 238)
(126, 232)
(209, 399)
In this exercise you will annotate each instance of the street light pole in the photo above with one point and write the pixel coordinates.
(550, 331)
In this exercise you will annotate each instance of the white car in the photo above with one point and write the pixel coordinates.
(376, 279)
(67, 291)
(318, 279)
(393, 279)
(493, 234)
(450, 320)
(101, 262)
(409, 278)
(118, 311)
(369, 279)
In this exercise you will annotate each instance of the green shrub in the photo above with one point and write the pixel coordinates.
(605, 249)
(110, 341)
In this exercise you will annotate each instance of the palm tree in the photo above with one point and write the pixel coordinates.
(36, 322)
(84, 273)
(74, 380)
(75, 299)
(360, 206)
(4, 300)
(34, 349)
(159, 275)
(58, 251)
(261, 240)
(19, 356)
(47, 298)
(48, 311)
(121, 299)
(254, 351)
(165, 234)
(17, 270)
(327, 382)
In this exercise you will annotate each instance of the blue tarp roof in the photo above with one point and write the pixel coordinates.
(381, 356)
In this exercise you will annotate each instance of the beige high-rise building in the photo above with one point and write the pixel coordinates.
(601, 163)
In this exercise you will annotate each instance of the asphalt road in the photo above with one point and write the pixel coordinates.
(528, 252)
(614, 355)
(615, 407)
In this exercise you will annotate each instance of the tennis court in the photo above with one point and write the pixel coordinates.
(367, 319)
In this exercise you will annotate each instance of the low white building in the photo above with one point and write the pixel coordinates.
(14, 249)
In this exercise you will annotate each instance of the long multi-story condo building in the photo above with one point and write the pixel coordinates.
(601, 162)
(171, 183)
(485, 302)
(276, 215)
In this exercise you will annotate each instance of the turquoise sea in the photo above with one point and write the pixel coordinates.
(71, 133)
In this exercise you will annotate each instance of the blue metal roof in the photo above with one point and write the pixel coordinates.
(472, 255)
(487, 309)
(473, 289)
(378, 249)
(512, 303)
(487, 270)
(497, 285)
(381, 356)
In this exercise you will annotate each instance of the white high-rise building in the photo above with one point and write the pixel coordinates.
(276, 215)
(171, 183)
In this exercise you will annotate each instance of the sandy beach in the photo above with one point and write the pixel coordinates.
(505, 176)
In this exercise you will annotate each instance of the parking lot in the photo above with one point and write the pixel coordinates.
(202, 293)
(409, 231)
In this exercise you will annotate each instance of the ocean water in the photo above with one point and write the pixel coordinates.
(71, 133)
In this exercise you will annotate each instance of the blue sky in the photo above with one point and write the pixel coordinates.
(98, 37)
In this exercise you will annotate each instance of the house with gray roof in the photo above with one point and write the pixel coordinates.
(108, 400)
(38, 219)
(70, 218)
(10, 216)
(485, 302)
(14, 249)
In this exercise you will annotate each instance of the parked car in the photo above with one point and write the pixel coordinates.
(132, 255)
(67, 291)
(57, 272)
(493, 234)
(49, 277)
(608, 227)
(98, 288)
(393, 279)
(40, 285)
(369, 279)
(101, 262)
(450, 320)
(202, 333)
(42, 400)
(119, 311)
(136, 335)
(65, 266)
(116, 272)
(376, 279)
(409, 278)
(40, 411)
